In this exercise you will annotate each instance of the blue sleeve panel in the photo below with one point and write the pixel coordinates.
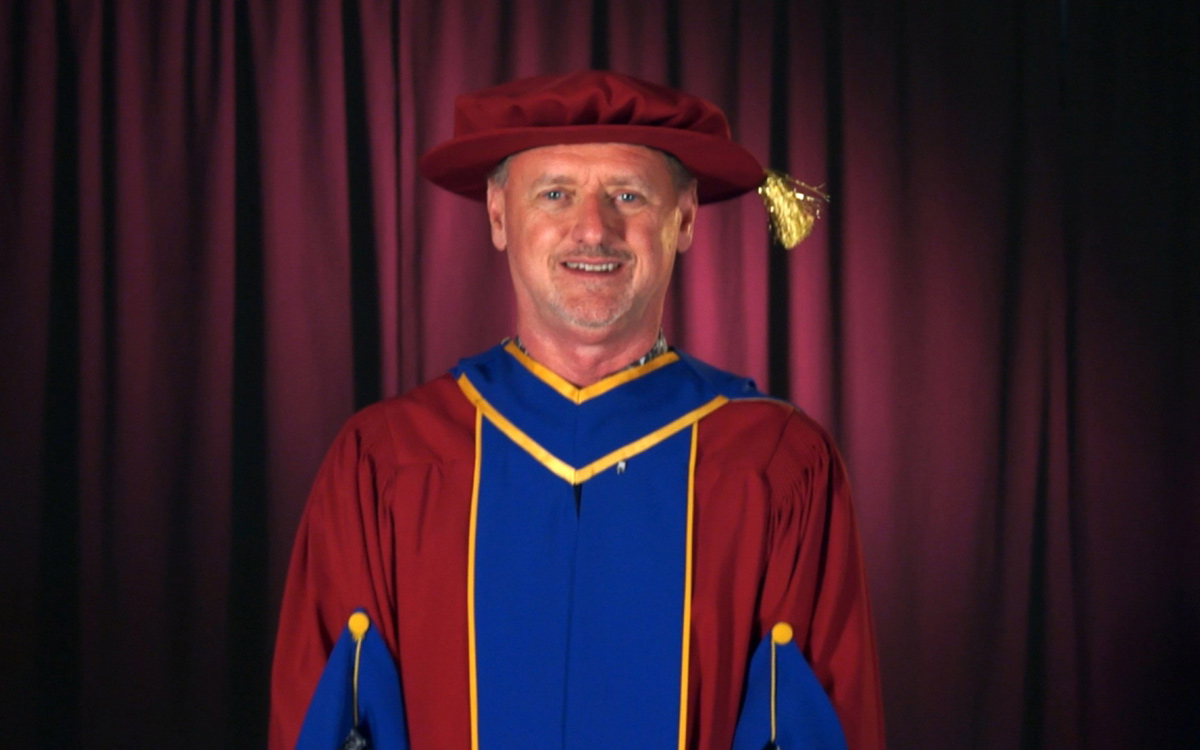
(803, 716)
(330, 716)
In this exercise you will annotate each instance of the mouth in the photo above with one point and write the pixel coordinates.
(587, 267)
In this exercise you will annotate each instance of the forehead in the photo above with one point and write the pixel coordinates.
(585, 160)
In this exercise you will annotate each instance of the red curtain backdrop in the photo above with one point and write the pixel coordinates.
(215, 246)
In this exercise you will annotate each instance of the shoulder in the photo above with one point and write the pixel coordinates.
(431, 423)
(768, 435)
(766, 456)
(757, 430)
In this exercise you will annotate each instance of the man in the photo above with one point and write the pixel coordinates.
(579, 538)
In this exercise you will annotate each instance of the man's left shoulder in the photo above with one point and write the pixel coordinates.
(766, 424)
(756, 425)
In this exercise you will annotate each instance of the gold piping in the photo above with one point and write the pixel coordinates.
(471, 661)
(687, 595)
(604, 385)
(561, 468)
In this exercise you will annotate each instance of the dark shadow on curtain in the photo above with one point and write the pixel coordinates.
(835, 104)
(58, 658)
(599, 38)
(1073, 120)
(1033, 710)
(779, 277)
(364, 266)
(247, 616)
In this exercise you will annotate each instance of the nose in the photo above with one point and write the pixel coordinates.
(594, 221)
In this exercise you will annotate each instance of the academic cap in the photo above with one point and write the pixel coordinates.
(597, 106)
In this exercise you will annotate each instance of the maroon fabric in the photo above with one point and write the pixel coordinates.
(214, 245)
(589, 107)
(386, 529)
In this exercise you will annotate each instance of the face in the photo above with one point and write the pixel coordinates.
(591, 233)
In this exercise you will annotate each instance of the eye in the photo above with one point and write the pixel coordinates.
(627, 196)
(553, 195)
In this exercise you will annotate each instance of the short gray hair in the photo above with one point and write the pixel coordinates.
(683, 179)
(499, 174)
(680, 176)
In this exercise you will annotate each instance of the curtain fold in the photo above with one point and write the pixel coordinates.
(216, 246)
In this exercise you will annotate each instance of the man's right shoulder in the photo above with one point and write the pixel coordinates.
(431, 423)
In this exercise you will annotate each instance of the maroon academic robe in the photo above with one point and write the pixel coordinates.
(386, 529)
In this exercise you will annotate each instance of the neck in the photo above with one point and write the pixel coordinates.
(583, 363)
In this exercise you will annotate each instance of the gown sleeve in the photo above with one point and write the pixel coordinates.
(339, 563)
(815, 575)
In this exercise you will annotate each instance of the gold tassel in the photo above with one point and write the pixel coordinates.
(793, 206)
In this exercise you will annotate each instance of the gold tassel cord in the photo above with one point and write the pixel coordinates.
(359, 623)
(793, 206)
(781, 635)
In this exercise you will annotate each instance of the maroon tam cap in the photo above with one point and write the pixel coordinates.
(592, 106)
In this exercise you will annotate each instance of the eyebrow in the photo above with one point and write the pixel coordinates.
(619, 181)
(552, 179)
(630, 181)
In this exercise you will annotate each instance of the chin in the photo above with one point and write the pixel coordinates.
(593, 317)
(592, 323)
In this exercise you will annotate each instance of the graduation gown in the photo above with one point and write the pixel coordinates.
(493, 524)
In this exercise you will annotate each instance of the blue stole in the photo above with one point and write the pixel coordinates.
(579, 559)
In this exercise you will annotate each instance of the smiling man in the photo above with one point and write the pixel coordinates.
(581, 538)
(591, 231)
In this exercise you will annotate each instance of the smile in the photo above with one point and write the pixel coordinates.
(591, 267)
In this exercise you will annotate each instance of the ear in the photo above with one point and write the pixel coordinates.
(689, 205)
(495, 213)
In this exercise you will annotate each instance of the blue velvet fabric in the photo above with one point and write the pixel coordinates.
(330, 715)
(804, 717)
